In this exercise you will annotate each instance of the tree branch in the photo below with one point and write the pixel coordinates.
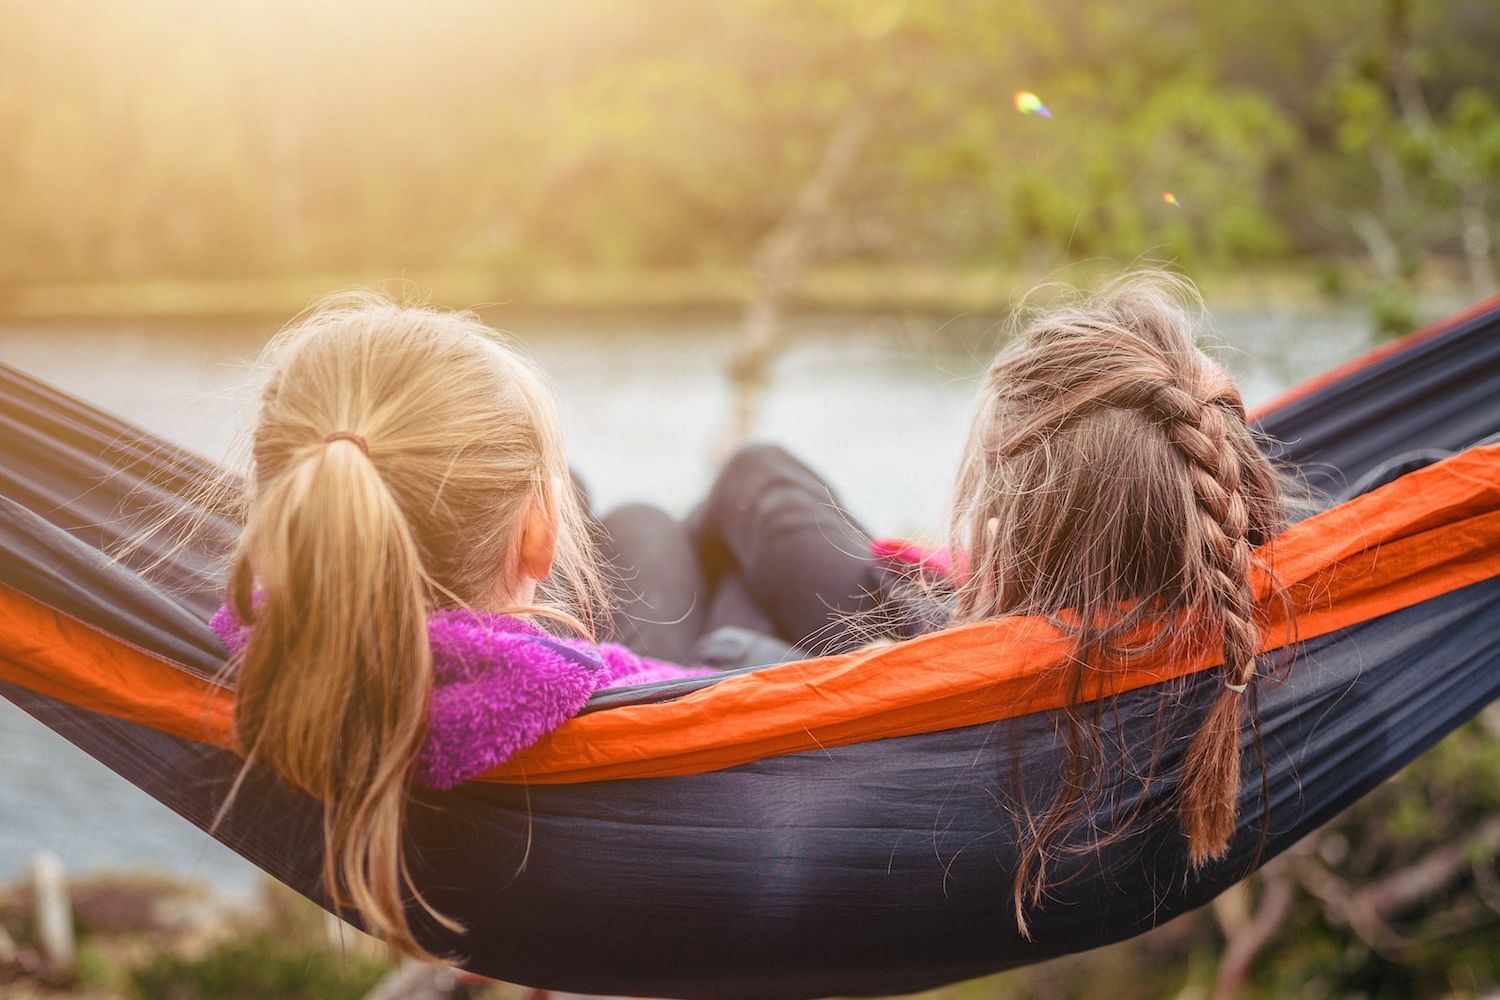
(781, 259)
(1244, 938)
(1433, 872)
(1369, 911)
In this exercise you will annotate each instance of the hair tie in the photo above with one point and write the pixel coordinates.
(359, 442)
(1237, 688)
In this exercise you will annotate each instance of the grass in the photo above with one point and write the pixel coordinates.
(256, 966)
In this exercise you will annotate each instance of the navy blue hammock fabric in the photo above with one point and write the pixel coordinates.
(880, 866)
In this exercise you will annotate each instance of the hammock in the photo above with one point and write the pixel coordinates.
(835, 826)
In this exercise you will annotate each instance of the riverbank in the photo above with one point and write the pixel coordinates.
(131, 936)
(842, 288)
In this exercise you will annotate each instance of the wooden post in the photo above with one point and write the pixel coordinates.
(415, 980)
(53, 914)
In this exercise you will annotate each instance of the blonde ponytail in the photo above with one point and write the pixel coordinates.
(397, 455)
(335, 681)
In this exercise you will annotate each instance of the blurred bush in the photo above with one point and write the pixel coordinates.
(174, 139)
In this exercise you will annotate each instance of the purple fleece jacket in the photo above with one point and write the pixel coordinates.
(500, 685)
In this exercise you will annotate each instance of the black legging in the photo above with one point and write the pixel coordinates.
(770, 567)
(660, 592)
(662, 598)
(770, 552)
(784, 555)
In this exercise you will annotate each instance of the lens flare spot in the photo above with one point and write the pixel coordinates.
(1029, 104)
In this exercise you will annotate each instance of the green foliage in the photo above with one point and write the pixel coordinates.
(95, 971)
(172, 138)
(1443, 944)
(1333, 278)
(1393, 311)
(257, 966)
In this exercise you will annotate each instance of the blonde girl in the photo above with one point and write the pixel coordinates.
(409, 490)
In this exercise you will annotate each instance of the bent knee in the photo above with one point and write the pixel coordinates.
(756, 459)
(635, 514)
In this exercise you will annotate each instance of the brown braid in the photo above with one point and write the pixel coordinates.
(1211, 777)
(1199, 431)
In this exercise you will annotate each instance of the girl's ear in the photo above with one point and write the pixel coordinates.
(539, 536)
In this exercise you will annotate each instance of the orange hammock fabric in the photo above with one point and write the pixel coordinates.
(1421, 536)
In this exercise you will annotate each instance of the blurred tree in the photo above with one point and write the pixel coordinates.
(167, 138)
(1437, 174)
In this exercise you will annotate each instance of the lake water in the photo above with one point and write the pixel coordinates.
(878, 404)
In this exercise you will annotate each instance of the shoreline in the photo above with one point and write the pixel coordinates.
(843, 288)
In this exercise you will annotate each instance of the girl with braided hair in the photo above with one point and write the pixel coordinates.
(1111, 483)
